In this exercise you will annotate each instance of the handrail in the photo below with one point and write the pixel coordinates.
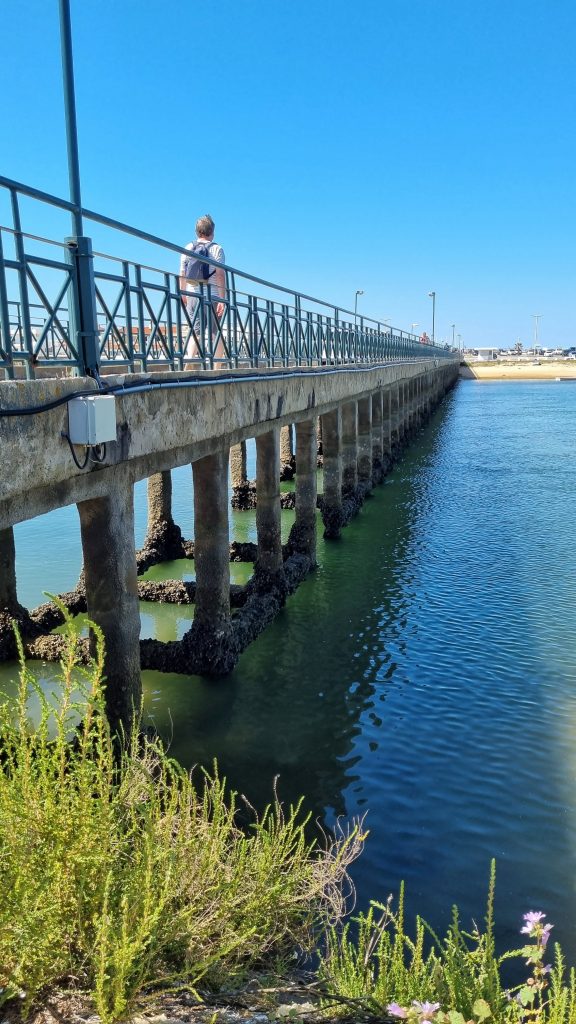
(146, 236)
(153, 321)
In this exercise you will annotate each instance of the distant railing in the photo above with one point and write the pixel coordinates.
(63, 305)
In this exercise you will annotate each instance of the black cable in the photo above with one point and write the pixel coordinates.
(81, 465)
(98, 452)
(196, 380)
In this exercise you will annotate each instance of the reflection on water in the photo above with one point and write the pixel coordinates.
(424, 675)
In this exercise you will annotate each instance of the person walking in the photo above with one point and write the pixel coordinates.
(196, 277)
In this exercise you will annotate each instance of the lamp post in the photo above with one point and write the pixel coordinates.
(459, 342)
(453, 326)
(536, 318)
(413, 326)
(432, 295)
(359, 291)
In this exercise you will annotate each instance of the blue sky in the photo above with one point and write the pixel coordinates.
(397, 146)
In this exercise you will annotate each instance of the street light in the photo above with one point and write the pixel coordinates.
(459, 342)
(432, 295)
(359, 291)
(536, 317)
(453, 329)
(413, 326)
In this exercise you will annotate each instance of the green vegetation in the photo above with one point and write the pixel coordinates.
(424, 979)
(119, 874)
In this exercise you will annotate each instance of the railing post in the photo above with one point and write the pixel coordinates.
(6, 346)
(254, 343)
(298, 309)
(82, 305)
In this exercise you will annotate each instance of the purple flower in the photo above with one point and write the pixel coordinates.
(547, 969)
(425, 1010)
(396, 1010)
(546, 933)
(532, 918)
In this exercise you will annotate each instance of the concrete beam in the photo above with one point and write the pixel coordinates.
(161, 429)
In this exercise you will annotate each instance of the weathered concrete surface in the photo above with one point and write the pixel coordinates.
(163, 540)
(332, 459)
(302, 538)
(287, 458)
(269, 558)
(163, 428)
(209, 637)
(107, 531)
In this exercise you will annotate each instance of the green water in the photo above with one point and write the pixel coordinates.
(424, 675)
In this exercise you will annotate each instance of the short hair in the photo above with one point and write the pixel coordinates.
(205, 226)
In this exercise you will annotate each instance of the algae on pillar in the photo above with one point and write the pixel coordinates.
(107, 531)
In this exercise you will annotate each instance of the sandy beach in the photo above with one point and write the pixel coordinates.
(548, 369)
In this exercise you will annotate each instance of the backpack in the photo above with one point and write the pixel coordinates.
(194, 268)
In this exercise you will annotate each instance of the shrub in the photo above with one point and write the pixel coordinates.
(423, 979)
(117, 871)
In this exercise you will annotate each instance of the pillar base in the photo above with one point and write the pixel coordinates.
(333, 519)
(162, 543)
(210, 650)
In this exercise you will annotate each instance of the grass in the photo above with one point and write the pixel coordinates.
(119, 871)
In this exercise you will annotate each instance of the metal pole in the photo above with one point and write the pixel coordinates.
(70, 110)
(432, 295)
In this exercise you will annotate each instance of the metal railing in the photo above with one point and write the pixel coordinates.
(61, 304)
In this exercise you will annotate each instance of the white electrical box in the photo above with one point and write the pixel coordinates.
(92, 420)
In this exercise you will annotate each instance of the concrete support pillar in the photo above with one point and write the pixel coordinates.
(159, 497)
(210, 633)
(395, 417)
(387, 442)
(287, 461)
(8, 595)
(349, 448)
(162, 534)
(377, 461)
(365, 444)
(243, 493)
(303, 533)
(409, 409)
(107, 531)
(238, 470)
(403, 412)
(332, 455)
(269, 557)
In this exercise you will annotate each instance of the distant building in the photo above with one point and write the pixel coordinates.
(486, 354)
